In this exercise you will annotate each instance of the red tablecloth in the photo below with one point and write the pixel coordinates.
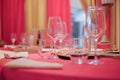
(110, 70)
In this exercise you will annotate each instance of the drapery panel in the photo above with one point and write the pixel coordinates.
(35, 15)
(85, 4)
(0, 19)
(38, 11)
(117, 21)
(12, 19)
(19, 16)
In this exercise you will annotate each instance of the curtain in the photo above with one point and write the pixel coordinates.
(38, 12)
(117, 33)
(0, 19)
(12, 19)
(85, 4)
(35, 17)
(60, 8)
(19, 16)
(35, 14)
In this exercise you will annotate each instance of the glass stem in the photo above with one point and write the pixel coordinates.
(96, 50)
(61, 46)
(54, 47)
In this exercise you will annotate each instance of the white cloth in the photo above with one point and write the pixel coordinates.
(28, 63)
(12, 54)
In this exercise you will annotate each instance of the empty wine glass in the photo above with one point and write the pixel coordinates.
(95, 22)
(13, 38)
(23, 39)
(53, 30)
(62, 32)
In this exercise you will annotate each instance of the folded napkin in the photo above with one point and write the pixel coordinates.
(16, 55)
(12, 54)
(29, 50)
(10, 46)
(27, 63)
(21, 48)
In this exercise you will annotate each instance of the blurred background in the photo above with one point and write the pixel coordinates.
(30, 16)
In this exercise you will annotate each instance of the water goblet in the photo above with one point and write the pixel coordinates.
(95, 22)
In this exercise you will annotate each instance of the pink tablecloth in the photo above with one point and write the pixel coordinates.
(110, 70)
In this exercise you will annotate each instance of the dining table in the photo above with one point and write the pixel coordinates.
(109, 70)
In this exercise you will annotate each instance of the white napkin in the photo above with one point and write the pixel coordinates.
(27, 63)
(10, 46)
(11, 54)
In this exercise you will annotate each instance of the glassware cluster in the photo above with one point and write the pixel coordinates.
(57, 31)
(77, 48)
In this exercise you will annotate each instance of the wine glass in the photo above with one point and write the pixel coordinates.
(95, 22)
(13, 38)
(23, 39)
(52, 31)
(62, 32)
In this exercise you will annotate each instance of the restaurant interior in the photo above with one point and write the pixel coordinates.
(59, 39)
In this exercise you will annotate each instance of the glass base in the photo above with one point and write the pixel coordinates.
(53, 56)
(79, 61)
(96, 62)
